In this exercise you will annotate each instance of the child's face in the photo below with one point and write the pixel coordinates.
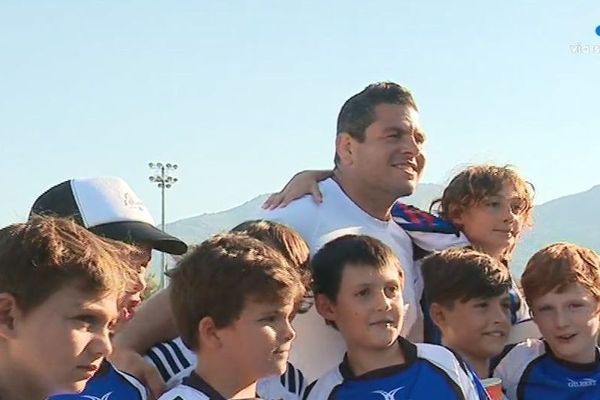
(62, 342)
(495, 223)
(133, 295)
(569, 321)
(369, 307)
(259, 341)
(477, 328)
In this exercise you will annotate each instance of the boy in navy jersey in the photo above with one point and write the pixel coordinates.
(60, 287)
(468, 296)
(562, 287)
(358, 291)
(233, 298)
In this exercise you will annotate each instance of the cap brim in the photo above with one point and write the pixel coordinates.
(141, 232)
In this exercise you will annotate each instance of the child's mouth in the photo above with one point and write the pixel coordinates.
(566, 338)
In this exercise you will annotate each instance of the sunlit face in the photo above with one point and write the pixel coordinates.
(62, 342)
(494, 224)
(368, 310)
(259, 341)
(477, 328)
(570, 322)
(133, 295)
(389, 161)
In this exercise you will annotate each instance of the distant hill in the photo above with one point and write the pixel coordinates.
(572, 218)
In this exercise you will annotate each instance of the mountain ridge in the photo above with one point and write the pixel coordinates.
(570, 218)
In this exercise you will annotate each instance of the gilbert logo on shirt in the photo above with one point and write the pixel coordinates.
(586, 382)
(389, 395)
(104, 396)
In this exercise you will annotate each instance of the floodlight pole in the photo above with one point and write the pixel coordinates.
(163, 180)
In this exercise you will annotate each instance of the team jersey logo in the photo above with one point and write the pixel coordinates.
(586, 382)
(104, 397)
(391, 395)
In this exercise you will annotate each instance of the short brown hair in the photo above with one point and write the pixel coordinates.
(475, 183)
(462, 274)
(44, 254)
(217, 277)
(289, 243)
(559, 265)
(329, 262)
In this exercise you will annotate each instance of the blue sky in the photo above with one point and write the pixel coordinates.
(242, 94)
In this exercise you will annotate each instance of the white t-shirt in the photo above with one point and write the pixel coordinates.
(317, 347)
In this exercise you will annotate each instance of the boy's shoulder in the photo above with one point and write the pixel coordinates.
(183, 392)
(193, 387)
(514, 361)
(520, 354)
(530, 370)
(173, 360)
(289, 386)
(109, 382)
(322, 387)
(437, 371)
(428, 231)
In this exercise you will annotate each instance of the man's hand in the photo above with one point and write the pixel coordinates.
(133, 363)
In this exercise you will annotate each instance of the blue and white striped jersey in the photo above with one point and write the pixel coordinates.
(175, 362)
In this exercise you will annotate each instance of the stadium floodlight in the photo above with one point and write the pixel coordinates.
(163, 179)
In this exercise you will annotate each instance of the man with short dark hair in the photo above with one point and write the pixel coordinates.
(378, 160)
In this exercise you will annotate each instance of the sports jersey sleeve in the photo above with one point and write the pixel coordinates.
(182, 392)
(289, 386)
(512, 365)
(321, 388)
(173, 360)
(455, 369)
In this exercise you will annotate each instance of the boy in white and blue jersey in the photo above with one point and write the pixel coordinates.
(175, 361)
(244, 336)
(468, 296)
(358, 291)
(562, 287)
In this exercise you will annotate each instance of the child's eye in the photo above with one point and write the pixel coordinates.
(494, 204)
(575, 306)
(482, 304)
(86, 319)
(362, 293)
(392, 291)
(269, 318)
(544, 309)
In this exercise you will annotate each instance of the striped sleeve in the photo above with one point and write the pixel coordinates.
(173, 360)
(293, 380)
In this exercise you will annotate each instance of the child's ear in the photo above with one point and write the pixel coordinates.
(438, 315)
(9, 310)
(208, 333)
(456, 215)
(325, 307)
